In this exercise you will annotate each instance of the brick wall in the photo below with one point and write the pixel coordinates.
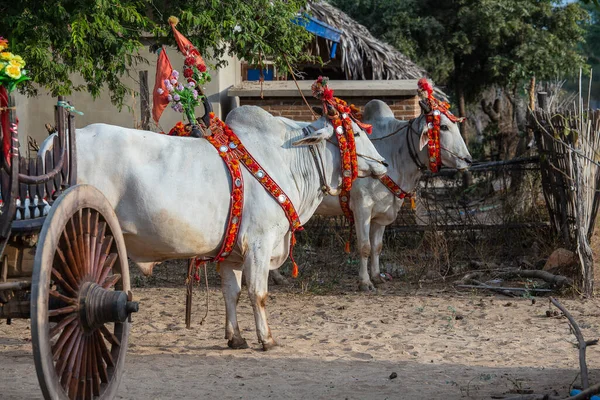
(403, 107)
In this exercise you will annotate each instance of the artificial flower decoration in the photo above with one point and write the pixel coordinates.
(11, 67)
(183, 96)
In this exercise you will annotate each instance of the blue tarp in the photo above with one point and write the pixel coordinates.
(321, 29)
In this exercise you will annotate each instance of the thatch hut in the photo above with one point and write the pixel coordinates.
(359, 55)
(362, 68)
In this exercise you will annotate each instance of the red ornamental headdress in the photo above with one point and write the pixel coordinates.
(341, 117)
(436, 108)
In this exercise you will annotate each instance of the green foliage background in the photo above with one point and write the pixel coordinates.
(101, 39)
(469, 45)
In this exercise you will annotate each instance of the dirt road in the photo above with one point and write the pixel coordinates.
(338, 347)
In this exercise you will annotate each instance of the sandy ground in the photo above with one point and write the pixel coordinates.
(342, 346)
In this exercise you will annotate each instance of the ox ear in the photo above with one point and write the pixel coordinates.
(315, 137)
(424, 138)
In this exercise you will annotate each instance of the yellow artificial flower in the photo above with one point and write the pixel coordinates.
(18, 61)
(7, 55)
(13, 71)
(2, 65)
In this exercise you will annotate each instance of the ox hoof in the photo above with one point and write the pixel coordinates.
(237, 343)
(366, 287)
(269, 345)
(279, 279)
(378, 280)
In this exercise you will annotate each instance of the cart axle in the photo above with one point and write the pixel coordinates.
(99, 306)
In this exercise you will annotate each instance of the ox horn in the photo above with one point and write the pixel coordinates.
(425, 107)
(318, 110)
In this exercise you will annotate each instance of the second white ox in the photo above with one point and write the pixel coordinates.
(373, 205)
(172, 196)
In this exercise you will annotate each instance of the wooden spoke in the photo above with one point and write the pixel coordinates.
(98, 249)
(89, 377)
(72, 382)
(64, 322)
(80, 261)
(80, 243)
(58, 277)
(86, 218)
(64, 298)
(109, 336)
(95, 374)
(64, 337)
(100, 360)
(104, 351)
(70, 255)
(61, 311)
(68, 270)
(93, 237)
(109, 281)
(82, 373)
(75, 245)
(69, 350)
(70, 365)
(104, 252)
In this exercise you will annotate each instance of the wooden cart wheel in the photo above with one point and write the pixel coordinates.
(80, 298)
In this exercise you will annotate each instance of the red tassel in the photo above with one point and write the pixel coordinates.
(347, 247)
(413, 204)
(294, 270)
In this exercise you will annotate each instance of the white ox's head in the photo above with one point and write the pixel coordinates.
(454, 151)
(370, 162)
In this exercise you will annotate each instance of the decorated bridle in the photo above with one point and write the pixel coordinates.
(341, 116)
(433, 109)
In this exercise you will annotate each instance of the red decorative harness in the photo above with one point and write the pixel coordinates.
(433, 118)
(234, 153)
(341, 116)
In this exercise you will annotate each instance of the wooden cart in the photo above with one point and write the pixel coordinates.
(63, 264)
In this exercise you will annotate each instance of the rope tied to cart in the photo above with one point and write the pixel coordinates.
(68, 107)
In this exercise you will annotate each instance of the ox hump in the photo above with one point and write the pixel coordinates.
(376, 110)
(252, 118)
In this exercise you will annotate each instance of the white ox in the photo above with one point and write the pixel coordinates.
(172, 195)
(373, 205)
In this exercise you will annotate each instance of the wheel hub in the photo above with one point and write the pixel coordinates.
(99, 306)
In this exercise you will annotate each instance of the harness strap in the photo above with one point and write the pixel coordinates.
(226, 142)
(394, 188)
(324, 187)
(412, 150)
(234, 153)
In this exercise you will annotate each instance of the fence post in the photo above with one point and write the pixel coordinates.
(543, 101)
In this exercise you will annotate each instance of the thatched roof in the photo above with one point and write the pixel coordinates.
(362, 55)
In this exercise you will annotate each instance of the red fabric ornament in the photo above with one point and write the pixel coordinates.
(187, 48)
(201, 68)
(327, 94)
(188, 72)
(425, 86)
(163, 71)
